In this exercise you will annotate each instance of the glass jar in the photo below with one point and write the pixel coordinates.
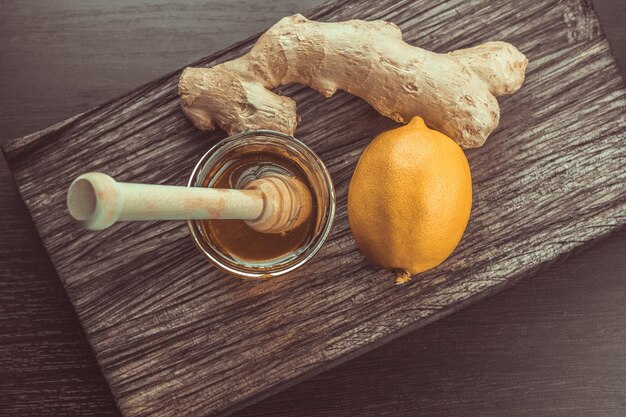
(262, 151)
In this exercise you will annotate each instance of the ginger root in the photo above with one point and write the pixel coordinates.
(454, 93)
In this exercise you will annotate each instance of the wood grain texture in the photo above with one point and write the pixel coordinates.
(197, 292)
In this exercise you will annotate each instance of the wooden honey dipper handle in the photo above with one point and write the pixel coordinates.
(273, 204)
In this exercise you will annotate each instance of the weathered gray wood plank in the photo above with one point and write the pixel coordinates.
(550, 179)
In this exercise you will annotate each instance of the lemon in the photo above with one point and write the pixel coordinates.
(410, 199)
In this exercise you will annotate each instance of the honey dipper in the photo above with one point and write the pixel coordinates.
(274, 203)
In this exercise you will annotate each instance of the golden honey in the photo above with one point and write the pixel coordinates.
(235, 237)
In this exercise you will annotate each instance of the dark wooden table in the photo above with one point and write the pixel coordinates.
(555, 344)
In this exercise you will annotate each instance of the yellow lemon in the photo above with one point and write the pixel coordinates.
(410, 199)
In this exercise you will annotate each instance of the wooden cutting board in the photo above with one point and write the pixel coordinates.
(176, 337)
